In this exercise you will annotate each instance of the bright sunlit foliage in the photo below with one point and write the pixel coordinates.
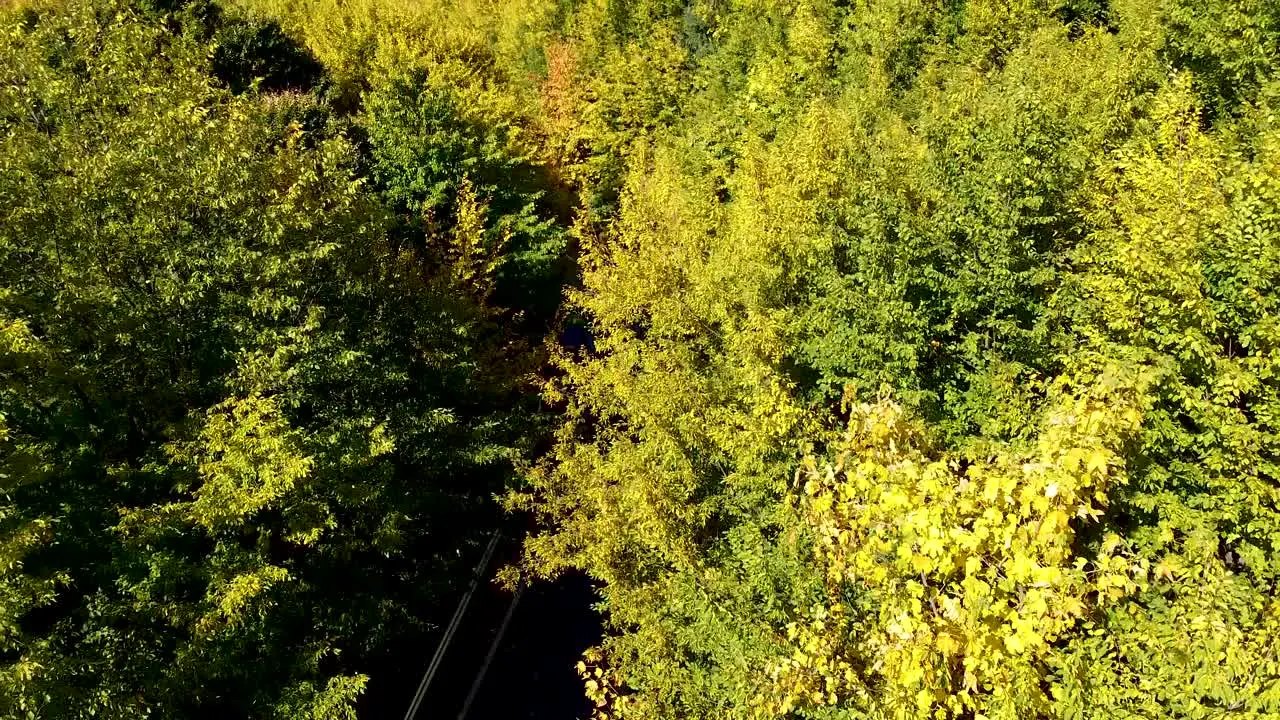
(883, 359)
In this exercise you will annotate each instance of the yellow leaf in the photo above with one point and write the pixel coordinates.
(1013, 643)
(972, 565)
(1098, 459)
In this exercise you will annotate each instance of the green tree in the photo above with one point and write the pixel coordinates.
(246, 428)
(938, 203)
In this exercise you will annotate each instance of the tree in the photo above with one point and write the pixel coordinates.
(939, 206)
(246, 427)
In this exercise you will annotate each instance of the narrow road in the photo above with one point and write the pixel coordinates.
(530, 675)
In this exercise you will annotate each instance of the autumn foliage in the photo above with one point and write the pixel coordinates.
(885, 359)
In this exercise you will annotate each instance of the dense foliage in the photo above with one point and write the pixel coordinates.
(1025, 254)
(249, 418)
(917, 360)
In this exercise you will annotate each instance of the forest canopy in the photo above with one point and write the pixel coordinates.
(881, 359)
